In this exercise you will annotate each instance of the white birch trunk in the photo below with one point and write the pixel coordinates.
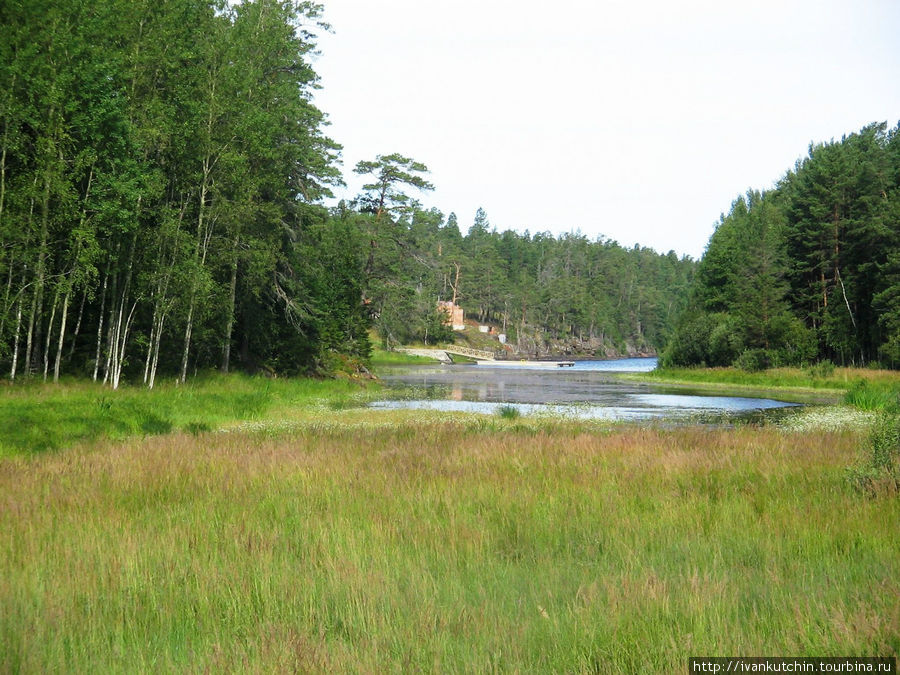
(120, 348)
(62, 335)
(50, 333)
(6, 294)
(15, 357)
(100, 323)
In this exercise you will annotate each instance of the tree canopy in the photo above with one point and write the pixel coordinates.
(806, 271)
(160, 168)
(542, 291)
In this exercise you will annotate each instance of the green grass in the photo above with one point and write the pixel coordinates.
(316, 535)
(878, 470)
(809, 385)
(443, 546)
(841, 378)
(877, 396)
(38, 417)
(380, 358)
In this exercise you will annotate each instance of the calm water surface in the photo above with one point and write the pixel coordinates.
(589, 390)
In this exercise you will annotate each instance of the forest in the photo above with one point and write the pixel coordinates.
(808, 271)
(163, 171)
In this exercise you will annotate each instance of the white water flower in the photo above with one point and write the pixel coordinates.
(832, 418)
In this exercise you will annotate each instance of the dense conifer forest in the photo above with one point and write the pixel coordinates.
(808, 271)
(163, 168)
(592, 296)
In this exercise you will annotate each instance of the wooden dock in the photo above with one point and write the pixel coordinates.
(482, 358)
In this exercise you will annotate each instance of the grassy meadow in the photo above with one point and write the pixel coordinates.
(302, 533)
(37, 417)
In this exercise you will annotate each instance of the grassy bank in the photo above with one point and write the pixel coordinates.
(382, 357)
(442, 547)
(38, 417)
(861, 387)
(838, 379)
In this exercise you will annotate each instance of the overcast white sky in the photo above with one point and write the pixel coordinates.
(636, 121)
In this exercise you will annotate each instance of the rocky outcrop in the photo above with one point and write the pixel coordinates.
(597, 348)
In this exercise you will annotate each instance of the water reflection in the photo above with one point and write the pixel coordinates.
(490, 407)
(590, 390)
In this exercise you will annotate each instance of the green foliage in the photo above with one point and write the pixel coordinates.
(887, 303)
(535, 288)
(162, 169)
(725, 340)
(390, 173)
(755, 360)
(690, 343)
(808, 271)
(161, 165)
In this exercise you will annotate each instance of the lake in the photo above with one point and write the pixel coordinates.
(587, 390)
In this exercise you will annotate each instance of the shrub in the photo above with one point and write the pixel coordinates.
(754, 360)
(195, 428)
(794, 343)
(726, 340)
(152, 424)
(822, 369)
(689, 345)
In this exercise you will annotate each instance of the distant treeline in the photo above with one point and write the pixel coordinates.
(807, 271)
(162, 167)
(538, 289)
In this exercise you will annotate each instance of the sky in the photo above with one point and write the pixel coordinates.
(635, 121)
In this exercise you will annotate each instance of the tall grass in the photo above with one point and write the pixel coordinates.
(878, 470)
(867, 395)
(424, 548)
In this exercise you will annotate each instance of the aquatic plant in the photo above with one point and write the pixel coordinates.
(508, 412)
